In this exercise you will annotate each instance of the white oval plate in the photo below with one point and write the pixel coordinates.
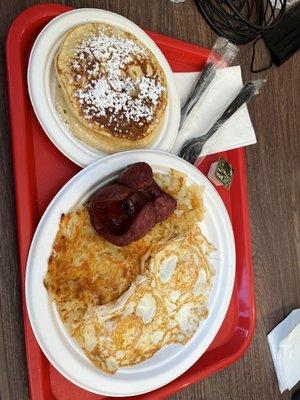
(171, 361)
(41, 84)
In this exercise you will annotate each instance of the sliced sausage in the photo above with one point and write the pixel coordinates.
(125, 212)
(137, 176)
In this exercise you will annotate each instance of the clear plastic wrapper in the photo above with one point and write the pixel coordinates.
(222, 55)
(194, 148)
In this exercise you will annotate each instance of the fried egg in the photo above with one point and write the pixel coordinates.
(164, 305)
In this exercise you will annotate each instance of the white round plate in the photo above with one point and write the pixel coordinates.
(171, 361)
(42, 83)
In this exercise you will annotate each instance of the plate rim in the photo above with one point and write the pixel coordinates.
(78, 152)
(34, 244)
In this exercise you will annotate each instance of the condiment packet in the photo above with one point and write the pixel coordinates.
(236, 132)
(284, 342)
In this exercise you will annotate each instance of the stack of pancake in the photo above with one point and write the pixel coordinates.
(112, 91)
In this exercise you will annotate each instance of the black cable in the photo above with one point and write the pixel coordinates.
(253, 58)
(241, 21)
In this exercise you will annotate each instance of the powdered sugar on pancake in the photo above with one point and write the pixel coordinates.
(116, 85)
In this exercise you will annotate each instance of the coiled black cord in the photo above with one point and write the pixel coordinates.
(241, 21)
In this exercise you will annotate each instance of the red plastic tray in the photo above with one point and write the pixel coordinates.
(40, 170)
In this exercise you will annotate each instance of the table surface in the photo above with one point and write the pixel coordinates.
(274, 198)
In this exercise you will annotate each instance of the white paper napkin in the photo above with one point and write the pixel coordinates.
(236, 132)
(284, 342)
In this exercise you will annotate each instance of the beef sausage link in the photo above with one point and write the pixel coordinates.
(126, 211)
(137, 176)
(142, 224)
(164, 206)
(112, 192)
(151, 214)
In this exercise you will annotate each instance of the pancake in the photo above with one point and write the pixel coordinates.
(112, 91)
